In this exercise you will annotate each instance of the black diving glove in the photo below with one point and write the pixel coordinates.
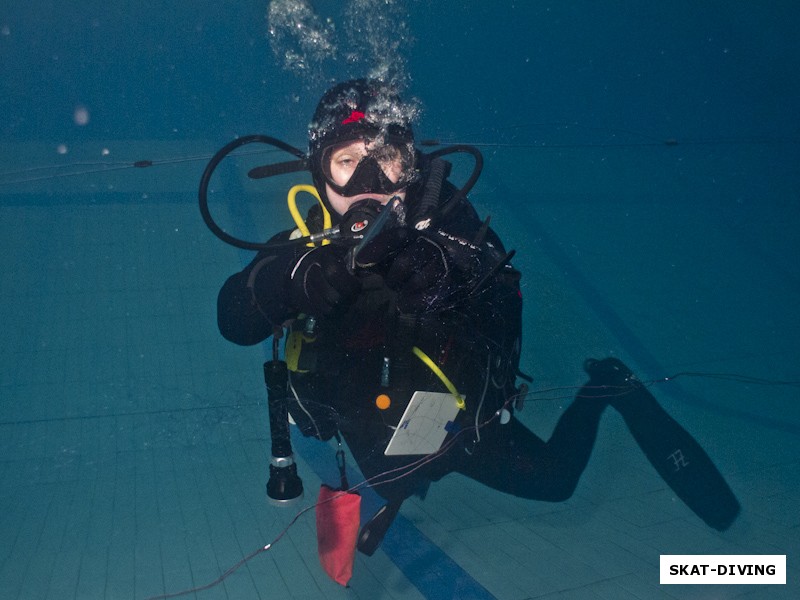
(320, 283)
(383, 248)
(422, 276)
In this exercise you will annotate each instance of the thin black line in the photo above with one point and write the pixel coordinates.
(137, 413)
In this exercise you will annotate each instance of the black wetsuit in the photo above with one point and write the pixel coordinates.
(473, 334)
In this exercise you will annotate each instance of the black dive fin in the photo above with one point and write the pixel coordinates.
(672, 451)
(375, 529)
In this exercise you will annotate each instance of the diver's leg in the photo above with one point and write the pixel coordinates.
(515, 460)
(391, 477)
(672, 451)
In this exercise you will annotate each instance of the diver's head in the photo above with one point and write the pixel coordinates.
(361, 145)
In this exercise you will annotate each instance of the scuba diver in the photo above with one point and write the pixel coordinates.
(426, 303)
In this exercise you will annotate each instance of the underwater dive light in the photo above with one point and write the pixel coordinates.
(284, 485)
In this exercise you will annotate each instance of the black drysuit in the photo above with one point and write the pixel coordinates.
(469, 324)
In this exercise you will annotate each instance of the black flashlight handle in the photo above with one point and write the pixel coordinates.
(284, 485)
(276, 376)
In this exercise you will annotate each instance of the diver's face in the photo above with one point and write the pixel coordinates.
(343, 162)
(345, 158)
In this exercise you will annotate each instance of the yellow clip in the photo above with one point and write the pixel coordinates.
(294, 346)
(301, 224)
(438, 372)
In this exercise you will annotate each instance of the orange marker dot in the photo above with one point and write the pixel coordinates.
(383, 401)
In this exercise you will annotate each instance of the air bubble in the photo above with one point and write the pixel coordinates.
(81, 115)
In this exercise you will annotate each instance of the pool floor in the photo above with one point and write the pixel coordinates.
(134, 440)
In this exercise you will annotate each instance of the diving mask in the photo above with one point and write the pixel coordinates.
(368, 166)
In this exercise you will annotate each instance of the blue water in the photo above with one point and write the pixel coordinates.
(134, 440)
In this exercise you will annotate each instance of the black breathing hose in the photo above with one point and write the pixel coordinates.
(220, 155)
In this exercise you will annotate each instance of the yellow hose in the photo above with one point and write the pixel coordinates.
(291, 200)
(438, 372)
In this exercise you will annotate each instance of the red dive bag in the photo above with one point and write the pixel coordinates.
(338, 521)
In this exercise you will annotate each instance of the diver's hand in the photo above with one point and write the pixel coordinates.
(421, 274)
(383, 248)
(320, 283)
